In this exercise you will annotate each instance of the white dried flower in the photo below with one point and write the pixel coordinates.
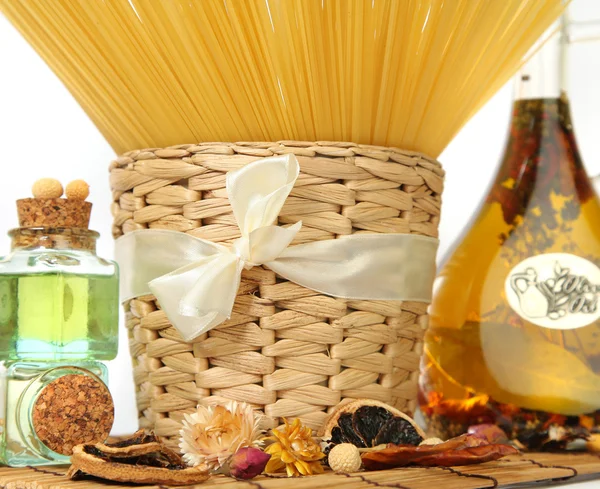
(213, 434)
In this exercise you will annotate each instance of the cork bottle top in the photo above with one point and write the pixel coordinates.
(72, 410)
(47, 208)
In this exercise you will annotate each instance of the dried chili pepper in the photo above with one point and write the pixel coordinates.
(462, 450)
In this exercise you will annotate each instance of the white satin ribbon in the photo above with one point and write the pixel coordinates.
(196, 281)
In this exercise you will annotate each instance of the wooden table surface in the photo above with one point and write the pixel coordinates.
(532, 469)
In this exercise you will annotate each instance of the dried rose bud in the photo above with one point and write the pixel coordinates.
(248, 462)
(489, 432)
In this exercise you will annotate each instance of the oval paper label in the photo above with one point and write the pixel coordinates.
(555, 290)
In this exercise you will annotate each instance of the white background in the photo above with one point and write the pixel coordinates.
(43, 132)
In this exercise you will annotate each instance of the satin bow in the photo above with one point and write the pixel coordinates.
(196, 281)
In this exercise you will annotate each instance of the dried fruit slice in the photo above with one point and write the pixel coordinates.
(366, 424)
(140, 443)
(140, 459)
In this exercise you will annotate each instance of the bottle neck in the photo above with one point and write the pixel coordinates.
(53, 239)
(544, 74)
(541, 159)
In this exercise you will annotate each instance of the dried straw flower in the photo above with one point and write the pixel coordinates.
(295, 450)
(213, 434)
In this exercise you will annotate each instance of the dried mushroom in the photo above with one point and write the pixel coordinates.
(367, 424)
(140, 459)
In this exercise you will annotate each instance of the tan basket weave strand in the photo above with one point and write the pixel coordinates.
(287, 350)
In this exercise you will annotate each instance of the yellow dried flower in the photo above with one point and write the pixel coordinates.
(593, 444)
(294, 449)
(213, 434)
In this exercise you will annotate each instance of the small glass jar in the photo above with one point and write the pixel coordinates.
(58, 299)
(46, 409)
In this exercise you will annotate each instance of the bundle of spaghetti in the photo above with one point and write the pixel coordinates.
(404, 73)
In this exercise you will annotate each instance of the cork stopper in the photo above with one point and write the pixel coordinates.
(48, 209)
(72, 410)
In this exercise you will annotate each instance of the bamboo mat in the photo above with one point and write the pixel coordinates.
(515, 470)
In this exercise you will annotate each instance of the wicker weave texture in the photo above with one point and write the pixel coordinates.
(288, 350)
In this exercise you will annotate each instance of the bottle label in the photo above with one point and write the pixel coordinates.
(555, 290)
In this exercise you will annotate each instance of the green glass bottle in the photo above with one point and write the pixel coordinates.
(58, 299)
(47, 408)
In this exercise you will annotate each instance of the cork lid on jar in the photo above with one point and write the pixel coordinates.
(47, 208)
(71, 410)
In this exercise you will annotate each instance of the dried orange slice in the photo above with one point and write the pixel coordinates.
(366, 424)
(139, 459)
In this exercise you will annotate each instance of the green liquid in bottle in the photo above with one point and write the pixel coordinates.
(52, 316)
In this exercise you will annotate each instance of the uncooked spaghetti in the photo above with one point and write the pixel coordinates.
(405, 73)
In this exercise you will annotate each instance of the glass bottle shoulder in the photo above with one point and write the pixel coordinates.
(49, 261)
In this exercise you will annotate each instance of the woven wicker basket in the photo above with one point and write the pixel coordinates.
(287, 350)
